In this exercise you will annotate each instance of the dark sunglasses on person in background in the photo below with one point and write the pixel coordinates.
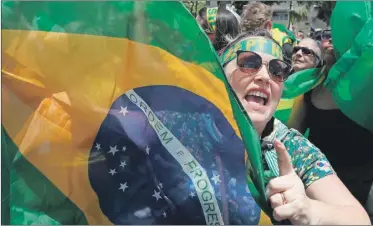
(325, 35)
(251, 62)
(308, 51)
(305, 50)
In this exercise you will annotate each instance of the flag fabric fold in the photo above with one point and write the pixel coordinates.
(118, 113)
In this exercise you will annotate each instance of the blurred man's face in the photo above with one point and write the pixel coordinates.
(327, 48)
(300, 35)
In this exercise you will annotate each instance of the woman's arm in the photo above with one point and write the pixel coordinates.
(298, 115)
(334, 204)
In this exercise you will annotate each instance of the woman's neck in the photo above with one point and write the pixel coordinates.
(266, 129)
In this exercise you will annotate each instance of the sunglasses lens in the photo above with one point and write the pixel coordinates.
(327, 35)
(296, 49)
(249, 62)
(279, 70)
(304, 50)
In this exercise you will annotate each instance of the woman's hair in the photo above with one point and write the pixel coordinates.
(203, 16)
(202, 12)
(254, 16)
(227, 28)
(258, 32)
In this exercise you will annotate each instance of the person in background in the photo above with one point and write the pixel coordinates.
(221, 24)
(300, 35)
(303, 187)
(347, 145)
(307, 54)
(316, 35)
(238, 5)
(202, 21)
(256, 16)
(259, 16)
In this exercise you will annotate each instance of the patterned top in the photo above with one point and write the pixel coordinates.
(308, 161)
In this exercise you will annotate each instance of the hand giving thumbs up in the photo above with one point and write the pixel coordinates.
(287, 193)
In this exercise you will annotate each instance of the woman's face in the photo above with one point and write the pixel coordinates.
(302, 60)
(258, 93)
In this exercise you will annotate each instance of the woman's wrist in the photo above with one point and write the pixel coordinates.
(316, 211)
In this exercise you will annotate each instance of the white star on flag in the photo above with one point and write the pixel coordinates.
(192, 194)
(164, 214)
(123, 187)
(124, 148)
(123, 110)
(113, 150)
(157, 195)
(123, 164)
(98, 146)
(112, 172)
(147, 149)
(160, 185)
(216, 179)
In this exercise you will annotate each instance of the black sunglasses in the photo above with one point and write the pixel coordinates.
(325, 35)
(305, 50)
(251, 62)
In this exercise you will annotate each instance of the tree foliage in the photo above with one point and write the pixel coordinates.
(298, 13)
(324, 8)
(194, 6)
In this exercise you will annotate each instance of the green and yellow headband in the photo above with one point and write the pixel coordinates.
(211, 14)
(255, 44)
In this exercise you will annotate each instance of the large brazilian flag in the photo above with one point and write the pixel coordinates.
(117, 113)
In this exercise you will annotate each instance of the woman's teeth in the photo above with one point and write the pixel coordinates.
(257, 97)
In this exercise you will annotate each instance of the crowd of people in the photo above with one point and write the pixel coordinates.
(318, 180)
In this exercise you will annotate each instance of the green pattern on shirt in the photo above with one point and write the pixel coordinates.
(308, 161)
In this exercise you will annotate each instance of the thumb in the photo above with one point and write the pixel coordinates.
(284, 161)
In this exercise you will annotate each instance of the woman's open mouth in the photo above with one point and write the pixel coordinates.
(258, 97)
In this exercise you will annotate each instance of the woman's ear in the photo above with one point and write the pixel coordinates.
(268, 25)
